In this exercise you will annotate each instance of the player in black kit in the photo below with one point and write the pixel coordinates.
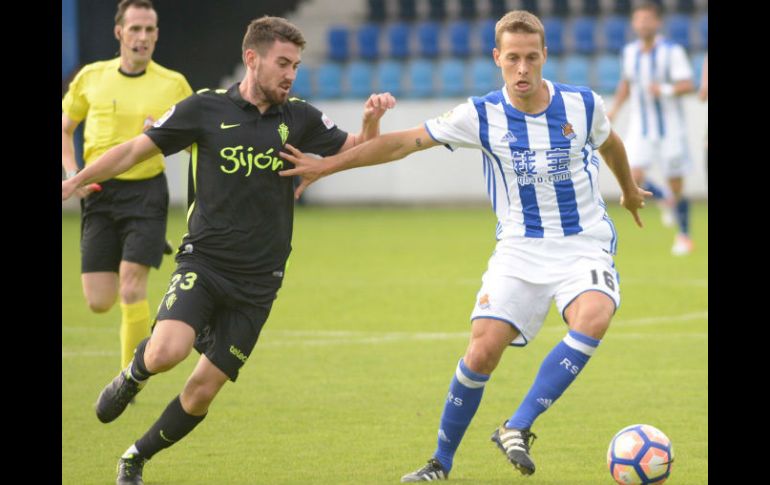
(231, 261)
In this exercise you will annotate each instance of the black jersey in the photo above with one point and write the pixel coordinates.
(240, 220)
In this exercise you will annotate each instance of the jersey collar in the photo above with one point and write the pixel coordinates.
(235, 94)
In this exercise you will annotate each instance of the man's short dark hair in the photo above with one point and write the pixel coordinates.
(650, 6)
(124, 4)
(262, 32)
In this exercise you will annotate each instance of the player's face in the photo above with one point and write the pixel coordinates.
(645, 24)
(138, 35)
(277, 70)
(521, 57)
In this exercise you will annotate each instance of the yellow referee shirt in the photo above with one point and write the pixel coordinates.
(116, 106)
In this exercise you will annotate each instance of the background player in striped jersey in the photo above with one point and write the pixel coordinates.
(124, 224)
(656, 74)
(555, 240)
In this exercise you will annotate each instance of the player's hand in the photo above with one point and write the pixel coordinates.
(376, 106)
(654, 90)
(635, 201)
(69, 188)
(308, 168)
(148, 122)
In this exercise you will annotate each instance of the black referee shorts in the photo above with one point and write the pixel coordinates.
(227, 314)
(126, 221)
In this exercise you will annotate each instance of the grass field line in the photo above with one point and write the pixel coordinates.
(316, 338)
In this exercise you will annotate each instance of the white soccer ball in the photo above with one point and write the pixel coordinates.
(640, 454)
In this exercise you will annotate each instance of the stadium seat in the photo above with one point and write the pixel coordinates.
(616, 30)
(577, 70)
(377, 11)
(679, 29)
(437, 9)
(703, 28)
(420, 73)
(368, 36)
(497, 8)
(452, 76)
(591, 7)
(338, 43)
(427, 35)
(608, 72)
(485, 76)
(468, 9)
(554, 35)
(389, 76)
(360, 77)
(531, 6)
(583, 29)
(552, 68)
(398, 38)
(685, 6)
(329, 79)
(303, 84)
(460, 38)
(560, 8)
(407, 10)
(622, 7)
(487, 32)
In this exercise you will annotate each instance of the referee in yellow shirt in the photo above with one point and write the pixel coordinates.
(123, 225)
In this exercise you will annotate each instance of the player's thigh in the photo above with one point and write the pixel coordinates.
(516, 301)
(144, 239)
(100, 243)
(191, 297)
(230, 338)
(594, 273)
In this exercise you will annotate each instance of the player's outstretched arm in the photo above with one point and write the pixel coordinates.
(614, 154)
(383, 149)
(115, 161)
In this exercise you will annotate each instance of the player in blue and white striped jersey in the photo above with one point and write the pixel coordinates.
(555, 240)
(656, 74)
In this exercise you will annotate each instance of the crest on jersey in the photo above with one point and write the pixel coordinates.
(165, 116)
(484, 301)
(567, 131)
(283, 130)
(328, 123)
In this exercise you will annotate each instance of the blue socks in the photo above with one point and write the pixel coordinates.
(683, 216)
(557, 372)
(461, 404)
(657, 192)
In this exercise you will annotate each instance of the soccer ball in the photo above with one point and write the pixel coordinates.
(640, 454)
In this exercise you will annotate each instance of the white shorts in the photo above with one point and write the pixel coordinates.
(525, 274)
(671, 154)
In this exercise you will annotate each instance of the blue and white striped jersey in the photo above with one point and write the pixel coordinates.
(541, 170)
(666, 63)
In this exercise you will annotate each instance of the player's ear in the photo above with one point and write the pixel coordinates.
(118, 30)
(250, 58)
(496, 56)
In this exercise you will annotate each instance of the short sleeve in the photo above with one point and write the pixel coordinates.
(458, 127)
(600, 128)
(179, 127)
(75, 104)
(321, 135)
(680, 64)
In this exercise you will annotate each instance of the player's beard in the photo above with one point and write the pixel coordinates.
(272, 95)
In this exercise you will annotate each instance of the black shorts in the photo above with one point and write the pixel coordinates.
(126, 221)
(227, 314)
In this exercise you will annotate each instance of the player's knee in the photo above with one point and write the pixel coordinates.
(594, 323)
(99, 305)
(161, 356)
(132, 291)
(481, 359)
(198, 395)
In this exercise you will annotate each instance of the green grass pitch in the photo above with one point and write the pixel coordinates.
(347, 382)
